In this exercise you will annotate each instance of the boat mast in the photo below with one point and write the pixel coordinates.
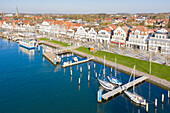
(104, 65)
(115, 67)
(134, 79)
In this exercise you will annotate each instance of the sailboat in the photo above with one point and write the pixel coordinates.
(133, 96)
(112, 79)
(105, 83)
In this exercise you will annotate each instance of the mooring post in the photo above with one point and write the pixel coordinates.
(146, 107)
(43, 51)
(88, 67)
(168, 94)
(79, 81)
(71, 72)
(94, 66)
(111, 69)
(99, 96)
(62, 56)
(162, 98)
(96, 74)
(88, 78)
(38, 48)
(80, 69)
(155, 103)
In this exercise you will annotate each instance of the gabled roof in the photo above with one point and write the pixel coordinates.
(141, 29)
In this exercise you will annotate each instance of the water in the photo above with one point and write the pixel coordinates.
(29, 84)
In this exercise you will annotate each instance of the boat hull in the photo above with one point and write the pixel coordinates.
(106, 85)
(27, 47)
(114, 81)
(135, 98)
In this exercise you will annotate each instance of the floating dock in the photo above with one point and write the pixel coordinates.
(122, 88)
(75, 63)
(52, 58)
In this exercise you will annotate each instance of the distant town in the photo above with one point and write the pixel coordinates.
(148, 32)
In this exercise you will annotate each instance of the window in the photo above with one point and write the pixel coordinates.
(163, 37)
(159, 36)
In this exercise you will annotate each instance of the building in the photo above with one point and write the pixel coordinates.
(159, 42)
(103, 36)
(70, 33)
(80, 33)
(91, 35)
(138, 38)
(120, 35)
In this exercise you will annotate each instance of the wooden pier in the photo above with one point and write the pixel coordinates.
(75, 63)
(122, 88)
(51, 58)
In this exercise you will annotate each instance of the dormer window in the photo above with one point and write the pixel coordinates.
(142, 32)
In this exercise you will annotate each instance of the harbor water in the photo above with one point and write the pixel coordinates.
(29, 83)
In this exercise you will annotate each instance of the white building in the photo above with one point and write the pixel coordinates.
(138, 38)
(120, 35)
(91, 35)
(70, 33)
(159, 43)
(80, 33)
(103, 36)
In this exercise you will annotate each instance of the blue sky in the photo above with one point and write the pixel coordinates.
(85, 6)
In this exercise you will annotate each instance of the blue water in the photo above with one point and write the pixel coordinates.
(31, 84)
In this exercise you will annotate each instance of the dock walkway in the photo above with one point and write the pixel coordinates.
(122, 88)
(51, 58)
(75, 63)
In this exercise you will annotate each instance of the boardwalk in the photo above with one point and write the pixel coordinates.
(75, 63)
(122, 88)
(51, 57)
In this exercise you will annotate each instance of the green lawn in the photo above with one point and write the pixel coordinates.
(54, 41)
(161, 71)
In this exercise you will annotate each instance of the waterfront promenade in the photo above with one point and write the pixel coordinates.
(126, 69)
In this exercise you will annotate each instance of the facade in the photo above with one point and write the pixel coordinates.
(70, 33)
(91, 35)
(159, 43)
(138, 38)
(103, 36)
(80, 33)
(120, 35)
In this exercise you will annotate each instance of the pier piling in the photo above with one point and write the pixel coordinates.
(96, 74)
(162, 98)
(111, 69)
(146, 107)
(79, 81)
(88, 78)
(99, 95)
(155, 103)
(80, 69)
(94, 66)
(88, 67)
(71, 72)
(168, 94)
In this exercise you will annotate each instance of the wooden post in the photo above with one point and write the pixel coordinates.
(111, 69)
(88, 78)
(71, 72)
(162, 98)
(79, 81)
(155, 103)
(80, 69)
(96, 74)
(62, 56)
(94, 66)
(146, 107)
(38, 48)
(168, 94)
(88, 67)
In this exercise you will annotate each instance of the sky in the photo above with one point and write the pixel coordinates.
(85, 6)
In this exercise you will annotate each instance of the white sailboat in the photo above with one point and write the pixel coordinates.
(133, 96)
(112, 79)
(105, 83)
